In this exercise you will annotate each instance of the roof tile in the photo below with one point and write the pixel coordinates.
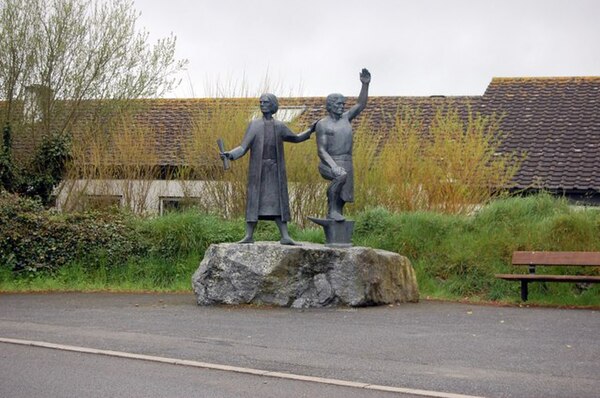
(556, 120)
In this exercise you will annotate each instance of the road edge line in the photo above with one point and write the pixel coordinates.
(236, 369)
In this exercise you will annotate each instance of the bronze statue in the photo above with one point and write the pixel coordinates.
(334, 143)
(267, 194)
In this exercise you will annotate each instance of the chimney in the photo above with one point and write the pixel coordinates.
(37, 102)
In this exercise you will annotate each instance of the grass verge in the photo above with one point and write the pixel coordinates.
(455, 257)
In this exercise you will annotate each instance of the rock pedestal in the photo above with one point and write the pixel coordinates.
(310, 275)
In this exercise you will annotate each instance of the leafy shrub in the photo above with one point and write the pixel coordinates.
(44, 172)
(47, 168)
(32, 238)
(9, 176)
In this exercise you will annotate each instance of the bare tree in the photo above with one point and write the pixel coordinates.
(57, 55)
(79, 50)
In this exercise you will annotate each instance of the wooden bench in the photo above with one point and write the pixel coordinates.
(563, 259)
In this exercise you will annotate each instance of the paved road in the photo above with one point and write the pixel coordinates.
(33, 372)
(465, 349)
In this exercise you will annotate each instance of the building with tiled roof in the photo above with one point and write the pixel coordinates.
(554, 121)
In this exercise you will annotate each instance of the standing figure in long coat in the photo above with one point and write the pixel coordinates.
(267, 195)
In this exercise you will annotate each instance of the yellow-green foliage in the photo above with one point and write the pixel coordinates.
(120, 149)
(450, 166)
(226, 191)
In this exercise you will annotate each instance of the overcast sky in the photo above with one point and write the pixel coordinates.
(411, 47)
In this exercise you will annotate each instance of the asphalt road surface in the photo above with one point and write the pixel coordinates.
(33, 372)
(432, 346)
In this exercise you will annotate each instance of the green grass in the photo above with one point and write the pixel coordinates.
(152, 274)
(455, 257)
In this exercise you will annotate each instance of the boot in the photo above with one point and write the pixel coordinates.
(250, 226)
(285, 236)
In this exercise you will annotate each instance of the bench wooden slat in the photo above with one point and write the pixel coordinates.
(534, 259)
(550, 278)
(556, 258)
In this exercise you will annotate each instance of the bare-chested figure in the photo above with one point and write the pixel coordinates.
(334, 143)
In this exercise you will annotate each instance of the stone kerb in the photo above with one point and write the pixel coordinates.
(310, 275)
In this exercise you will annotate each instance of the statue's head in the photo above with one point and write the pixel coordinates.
(269, 103)
(335, 103)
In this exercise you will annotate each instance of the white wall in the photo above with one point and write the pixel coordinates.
(141, 196)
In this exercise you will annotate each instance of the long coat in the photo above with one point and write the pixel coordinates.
(254, 141)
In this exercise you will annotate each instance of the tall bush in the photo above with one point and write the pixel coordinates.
(124, 151)
(225, 191)
(451, 166)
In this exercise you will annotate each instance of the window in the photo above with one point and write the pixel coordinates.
(37, 101)
(172, 204)
(102, 202)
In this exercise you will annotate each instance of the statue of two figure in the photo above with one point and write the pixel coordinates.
(267, 195)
